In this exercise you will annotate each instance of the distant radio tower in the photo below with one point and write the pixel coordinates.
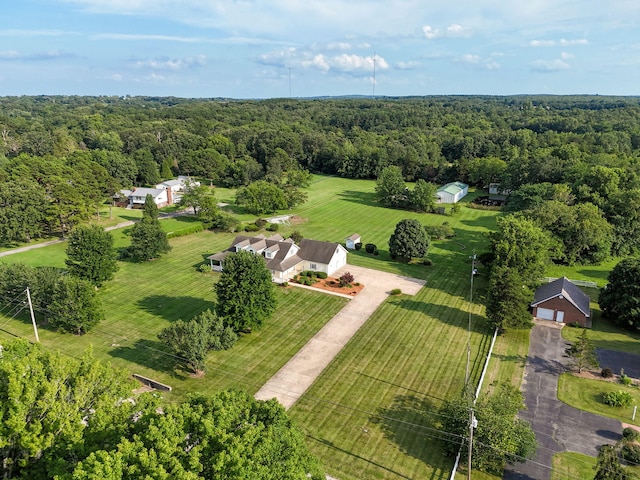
(374, 75)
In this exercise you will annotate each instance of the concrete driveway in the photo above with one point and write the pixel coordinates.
(297, 375)
(558, 426)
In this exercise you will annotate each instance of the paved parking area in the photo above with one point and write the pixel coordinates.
(297, 375)
(619, 360)
(558, 427)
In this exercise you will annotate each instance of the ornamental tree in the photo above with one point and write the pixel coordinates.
(409, 240)
(148, 240)
(246, 297)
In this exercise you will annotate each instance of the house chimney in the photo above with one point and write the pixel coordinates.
(169, 196)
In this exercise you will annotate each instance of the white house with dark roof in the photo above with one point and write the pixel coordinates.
(136, 197)
(562, 301)
(283, 257)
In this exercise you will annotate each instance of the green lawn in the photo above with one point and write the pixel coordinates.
(572, 466)
(585, 394)
(144, 298)
(400, 366)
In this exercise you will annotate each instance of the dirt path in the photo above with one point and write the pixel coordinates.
(297, 375)
(113, 227)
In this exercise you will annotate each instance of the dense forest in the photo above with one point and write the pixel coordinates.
(574, 159)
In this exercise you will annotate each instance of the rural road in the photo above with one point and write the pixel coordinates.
(113, 227)
(297, 375)
(558, 426)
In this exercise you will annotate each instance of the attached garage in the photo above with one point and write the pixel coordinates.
(545, 313)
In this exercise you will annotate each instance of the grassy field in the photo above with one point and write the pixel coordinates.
(585, 394)
(571, 466)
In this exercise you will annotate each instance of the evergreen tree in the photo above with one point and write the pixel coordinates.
(409, 240)
(583, 353)
(148, 240)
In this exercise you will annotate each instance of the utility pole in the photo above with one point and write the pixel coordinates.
(33, 318)
(473, 423)
(473, 272)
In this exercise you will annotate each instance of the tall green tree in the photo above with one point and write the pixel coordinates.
(91, 255)
(262, 197)
(75, 308)
(409, 240)
(148, 240)
(620, 299)
(608, 466)
(50, 403)
(229, 435)
(22, 210)
(390, 187)
(193, 339)
(499, 437)
(423, 196)
(508, 299)
(245, 295)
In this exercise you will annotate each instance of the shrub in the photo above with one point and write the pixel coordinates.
(396, 291)
(375, 252)
(631, 452)
(370, 247)
(186, 231)
(606, 373)
(204, 268)
(358, 246)
(252, 227)
(440, 232)
(321, 275)
(427, 262)
(630, 434)
(260, 222)
(346, 279)
(285, 284)
(273, 227)
(625, 380)
(296, 236)
(617, 398)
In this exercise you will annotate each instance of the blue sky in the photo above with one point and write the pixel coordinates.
(274, 48)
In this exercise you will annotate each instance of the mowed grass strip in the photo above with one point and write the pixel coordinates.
(146, 297)
(572, 466)
(586, 394)
(373, 412)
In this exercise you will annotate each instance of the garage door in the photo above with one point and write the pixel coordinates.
(545, 313)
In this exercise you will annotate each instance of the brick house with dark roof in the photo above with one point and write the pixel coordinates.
(563, 302)
(284, 258)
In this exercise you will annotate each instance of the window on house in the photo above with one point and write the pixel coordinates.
(313, 266)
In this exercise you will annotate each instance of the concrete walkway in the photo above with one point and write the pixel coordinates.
(558, 427)
(297, 375)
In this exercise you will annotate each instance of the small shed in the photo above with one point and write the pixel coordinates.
(452, 192)
(562, 301)
(352, 241)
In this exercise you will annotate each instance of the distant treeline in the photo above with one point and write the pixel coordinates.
(589, 143)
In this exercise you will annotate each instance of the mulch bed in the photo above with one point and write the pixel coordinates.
(333, 285)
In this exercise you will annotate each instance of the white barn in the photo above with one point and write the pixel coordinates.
(452, 192)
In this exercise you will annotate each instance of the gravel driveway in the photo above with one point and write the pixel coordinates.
(558, 426)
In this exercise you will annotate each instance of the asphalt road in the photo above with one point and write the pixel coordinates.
(558, 426)
(619, 360)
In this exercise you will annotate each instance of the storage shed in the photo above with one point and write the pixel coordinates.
(351, 241)
(452, 192)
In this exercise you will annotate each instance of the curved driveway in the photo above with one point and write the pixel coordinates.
(558, 426)
(297, 375)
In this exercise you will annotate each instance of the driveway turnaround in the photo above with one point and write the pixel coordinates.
(558, 427)
(297, 375)
(616, 361)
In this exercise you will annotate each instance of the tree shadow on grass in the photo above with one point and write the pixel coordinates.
(364, 198)
(175, 308)
(411, 422)
(152, 355)
(329, 444)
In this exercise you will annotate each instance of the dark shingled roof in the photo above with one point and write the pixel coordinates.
(317, 251)
(563, 286)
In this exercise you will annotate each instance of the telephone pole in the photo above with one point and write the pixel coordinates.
(33, 318)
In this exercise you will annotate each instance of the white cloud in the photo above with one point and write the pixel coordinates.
(339, 46)
(456, 30)
(566, 55)
(311, 58)
(172, 64)
(430, 32)
(410, 65)
(478, 61)
(568, 43)
(34, 33)
(549, 65)
(9, 55)
(468, 58)
(135, 37)
(542, 43)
